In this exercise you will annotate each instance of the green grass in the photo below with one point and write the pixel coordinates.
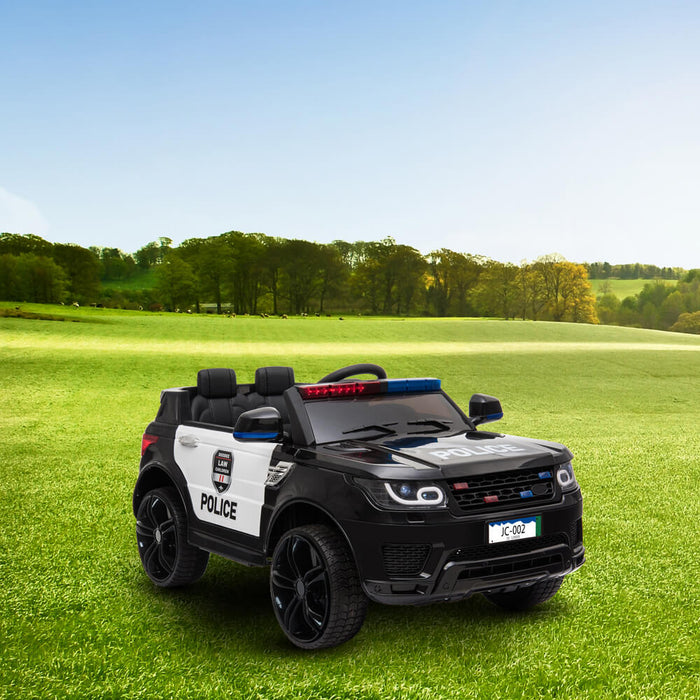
(623, 288)
(141, 279)
(80, 619)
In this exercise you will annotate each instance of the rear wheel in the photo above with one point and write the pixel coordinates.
(527, 597)
(161, 532)
(315, 588)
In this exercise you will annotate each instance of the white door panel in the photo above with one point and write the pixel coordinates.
(206, 458)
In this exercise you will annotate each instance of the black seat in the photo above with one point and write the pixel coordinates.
(215, 391)
(270, 384)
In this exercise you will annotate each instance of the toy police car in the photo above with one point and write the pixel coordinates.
(352, 490)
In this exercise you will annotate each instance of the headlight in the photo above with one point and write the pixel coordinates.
(403, 495)
(566, 478)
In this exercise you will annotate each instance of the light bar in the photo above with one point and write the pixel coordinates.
(402, 385)
(379, 386)
(340, 390)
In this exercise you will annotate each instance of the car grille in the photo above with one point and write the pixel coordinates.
(504, 490)
(508, 549)
(404, 559)
(553, 562)
(486, 560)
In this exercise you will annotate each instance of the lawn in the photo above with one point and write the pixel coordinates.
(80, 619)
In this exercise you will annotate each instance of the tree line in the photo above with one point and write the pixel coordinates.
(660, 305)
(252, 273)
(635, 271)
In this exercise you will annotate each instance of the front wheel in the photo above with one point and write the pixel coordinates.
(527, 597)
(161, 533)
(315, 588)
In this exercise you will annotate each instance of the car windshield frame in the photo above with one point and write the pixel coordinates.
(383, 416)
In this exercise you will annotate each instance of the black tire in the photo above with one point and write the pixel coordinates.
(526, 597)
(315, 588)
(161, 533)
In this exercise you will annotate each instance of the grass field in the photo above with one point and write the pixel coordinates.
(623, 288)
(78, 618)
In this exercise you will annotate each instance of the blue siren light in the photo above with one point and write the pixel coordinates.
(394, 386)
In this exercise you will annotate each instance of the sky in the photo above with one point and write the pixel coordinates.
(505, 129)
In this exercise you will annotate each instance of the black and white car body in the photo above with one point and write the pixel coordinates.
(353, 490)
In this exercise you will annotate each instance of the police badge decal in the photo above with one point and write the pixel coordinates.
(221, 470)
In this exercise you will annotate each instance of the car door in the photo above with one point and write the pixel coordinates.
(225, 477)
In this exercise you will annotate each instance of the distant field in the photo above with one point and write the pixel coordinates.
(143, 279)
(624, 288)
(78, 618)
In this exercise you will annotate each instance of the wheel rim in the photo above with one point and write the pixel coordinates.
(300, 588)
(157, 539)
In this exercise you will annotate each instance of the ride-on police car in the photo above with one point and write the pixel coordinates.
(352, 490)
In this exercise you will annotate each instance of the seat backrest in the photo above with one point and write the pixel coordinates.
(215, 391)
(271, 383)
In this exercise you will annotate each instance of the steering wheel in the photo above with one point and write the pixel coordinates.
(352, 370)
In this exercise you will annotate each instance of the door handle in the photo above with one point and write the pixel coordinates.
(188, 440)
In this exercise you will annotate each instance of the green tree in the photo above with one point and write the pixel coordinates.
(153, 253)
(451, 276)
(176, 282)
(244, 276)
(9, 280)
(608, 307)
(211, 260)
(17, 243)
(114, 264)
(271, 264)
(566, 289)
(39, 279)
(671, 308)
(409, 269)
(333, 274)
(498, 292)
(300, 277)
(82, 268)
(687, 323)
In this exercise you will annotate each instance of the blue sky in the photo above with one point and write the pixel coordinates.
(507, 129)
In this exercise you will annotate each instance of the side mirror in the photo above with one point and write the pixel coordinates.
(260, 424)
(484, 409)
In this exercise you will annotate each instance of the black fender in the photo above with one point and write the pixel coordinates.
(159, 475)
(298, 512)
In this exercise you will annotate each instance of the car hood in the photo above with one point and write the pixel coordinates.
(425, 457)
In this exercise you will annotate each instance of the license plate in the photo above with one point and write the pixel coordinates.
(509, 530)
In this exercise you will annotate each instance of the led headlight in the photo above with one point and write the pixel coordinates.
(403, 495)
(566, 478)
(412, 494)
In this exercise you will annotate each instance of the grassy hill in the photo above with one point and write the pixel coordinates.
(623, 288)
(142, 279)
(80, 619)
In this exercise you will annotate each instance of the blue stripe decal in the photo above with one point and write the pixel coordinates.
(255, 436)
(492, 417)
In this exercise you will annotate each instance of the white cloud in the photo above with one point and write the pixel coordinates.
(19, 215)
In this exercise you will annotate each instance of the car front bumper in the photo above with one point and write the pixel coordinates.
(446, 558)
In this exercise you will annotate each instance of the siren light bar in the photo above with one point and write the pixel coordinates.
(379, 386)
